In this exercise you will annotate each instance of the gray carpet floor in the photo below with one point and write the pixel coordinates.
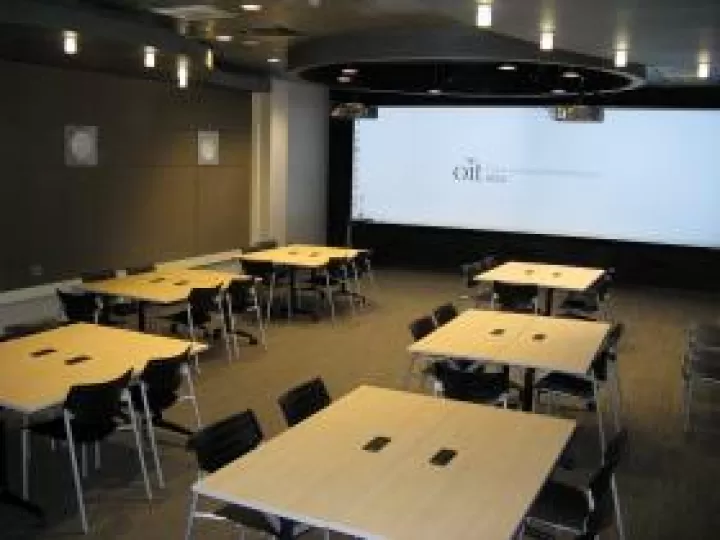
(668, 481)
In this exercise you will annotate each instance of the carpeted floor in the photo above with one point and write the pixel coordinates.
(668, 482)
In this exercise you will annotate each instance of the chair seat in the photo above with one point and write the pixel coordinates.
(252, 519)
(182, 318)
(561, 505)
(585, 303)
(55, 429)
(562, 383)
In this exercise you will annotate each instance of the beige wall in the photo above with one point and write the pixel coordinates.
(147, 200)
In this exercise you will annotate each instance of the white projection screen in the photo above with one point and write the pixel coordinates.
(640, 175)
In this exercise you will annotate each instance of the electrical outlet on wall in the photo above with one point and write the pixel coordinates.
(36, 270)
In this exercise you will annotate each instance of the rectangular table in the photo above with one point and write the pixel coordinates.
(318, 473)
(513, 339)
(547, 276)
(161, 286)
(31, 384)
(300, 256)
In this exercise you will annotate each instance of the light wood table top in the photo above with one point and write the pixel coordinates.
(301, 255)
(29, 384)
(551, 276)
(317, 472)
(163, 286)
(567, 345)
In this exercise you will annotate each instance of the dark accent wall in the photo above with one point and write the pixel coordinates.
(146, 201)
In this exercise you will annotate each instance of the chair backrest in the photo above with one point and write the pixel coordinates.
(97, 275)
(239, 291)
(510, 295)
(421, 327)
(14, 331)
(97, 403)
(264, 244)
(337, 267)
(466, 385)
(142, 269)
(163, 377)
(203, 301)
(601, 482)
(260, 269)
(224, 441)
(445, 313)
(303, 401)
(78, 307)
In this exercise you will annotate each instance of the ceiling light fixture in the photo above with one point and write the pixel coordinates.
(507, 67)
(434, 91)
(344, 79)
(621, 57)
(224, 38)
(149, 56)
(547, 40)
(349, 71)
(483, 18)
(251, 7)
(250, 42)
(703, 67)
(209, 59)
(571, 75)
(557, 91)
(183, 71)
(274, 60)
(70, 41)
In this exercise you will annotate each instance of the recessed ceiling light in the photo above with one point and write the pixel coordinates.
(349, 71)
(274, 60)
(547, 40)
(483, 19)
(251, 7)
(250, 42)
(344, 79)
(571, 75)
(703, 70)
(70, 42)
(621, 58)
(434, 91)
(507, 67)
(224, 38)
(557, 91)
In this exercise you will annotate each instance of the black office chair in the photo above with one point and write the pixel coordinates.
(159, 389)
(90, 414)
(201, 306)
(243, 298)
(583, 509)
(466, 381)
(421, 327)
(97, 275)
(444, 314)
(591, 304)
(303, 401)
(214, 447)
(331, 281)
(82, 307)
(482, 292)
(271, 278)
(362, 267)
(515, 298)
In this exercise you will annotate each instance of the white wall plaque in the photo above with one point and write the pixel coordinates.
(208, 148)
(81, 146)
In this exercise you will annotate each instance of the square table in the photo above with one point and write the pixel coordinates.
(30, 384)
(161, 286)
(298, 257)
(318, 472)
(547, 276)
(514, 339)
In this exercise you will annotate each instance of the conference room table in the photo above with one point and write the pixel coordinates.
(167, 286)
(39, 370)
(518, 340)
(546, 276)
(320, 473)
(296, 257)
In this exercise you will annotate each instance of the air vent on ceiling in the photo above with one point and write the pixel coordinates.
(195, 12)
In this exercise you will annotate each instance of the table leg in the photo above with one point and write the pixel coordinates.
(6, 497)
(528, 390)
(142, 305)
(548, 301)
